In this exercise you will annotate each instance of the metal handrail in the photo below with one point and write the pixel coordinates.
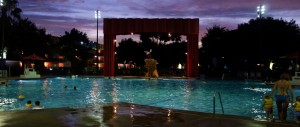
(221, 102)
(214, 103)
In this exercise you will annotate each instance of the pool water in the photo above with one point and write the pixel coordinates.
(238, 97)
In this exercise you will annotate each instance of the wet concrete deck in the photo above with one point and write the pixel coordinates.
(126, 115)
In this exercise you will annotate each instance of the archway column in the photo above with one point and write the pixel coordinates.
(192, 55)
(109, 54)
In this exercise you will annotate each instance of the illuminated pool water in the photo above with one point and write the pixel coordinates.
(238, 97)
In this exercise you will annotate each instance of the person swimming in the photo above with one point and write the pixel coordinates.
(28, 105)
(21, 97)
(75, 88)
(37, 105)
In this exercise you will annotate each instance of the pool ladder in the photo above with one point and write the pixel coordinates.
(214, 103)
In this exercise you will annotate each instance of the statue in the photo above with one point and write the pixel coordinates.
(150, 64)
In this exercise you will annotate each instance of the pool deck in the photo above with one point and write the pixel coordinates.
(127, 115)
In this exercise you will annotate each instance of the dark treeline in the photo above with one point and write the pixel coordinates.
(250, 47)
(21, 37)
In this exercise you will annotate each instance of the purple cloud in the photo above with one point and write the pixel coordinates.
(58, 16)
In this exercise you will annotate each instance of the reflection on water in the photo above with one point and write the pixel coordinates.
(263, 90)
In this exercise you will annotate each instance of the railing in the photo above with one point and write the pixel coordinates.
(214, 103)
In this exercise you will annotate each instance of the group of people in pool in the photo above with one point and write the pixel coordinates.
(37, 105)
(74, 88)
(283, 94)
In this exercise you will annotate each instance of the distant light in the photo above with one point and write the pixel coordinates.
(1, 2)
(199, 44)
(186, 53)
(169, 35)
(81, 43)
(263, 9)
(20, 64)
(271, 65)
(4, 53)
(97, 14)
(179, 66)
(260, 10)
(131, 33)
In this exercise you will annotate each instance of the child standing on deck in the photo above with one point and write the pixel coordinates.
(268, 107)
(297, 109)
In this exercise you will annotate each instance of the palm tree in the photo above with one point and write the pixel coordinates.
(10, 10)
(10, 14)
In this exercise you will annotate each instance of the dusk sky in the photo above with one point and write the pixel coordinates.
(58, 16)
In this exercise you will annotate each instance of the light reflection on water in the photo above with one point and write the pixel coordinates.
(238, 97)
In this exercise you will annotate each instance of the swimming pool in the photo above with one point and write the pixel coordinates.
(238, 97)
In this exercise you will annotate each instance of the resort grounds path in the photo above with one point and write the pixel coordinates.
(127, 115)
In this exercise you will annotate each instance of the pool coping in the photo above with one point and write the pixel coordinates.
(127, 114)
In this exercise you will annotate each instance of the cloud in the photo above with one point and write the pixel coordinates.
(48, 1)
(58, 16)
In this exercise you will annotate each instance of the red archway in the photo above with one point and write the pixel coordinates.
(116, 26)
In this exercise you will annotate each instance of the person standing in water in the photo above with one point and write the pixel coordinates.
(296, 107)
(268, 107)
(151, 65)
(283, 96)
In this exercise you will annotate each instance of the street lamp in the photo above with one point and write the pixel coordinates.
(2, 40)
(97, 16)
(260, 10)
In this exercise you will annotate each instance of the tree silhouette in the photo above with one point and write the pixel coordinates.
(256, 42)
(74, 46)
(130, 51)
(27, 39)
